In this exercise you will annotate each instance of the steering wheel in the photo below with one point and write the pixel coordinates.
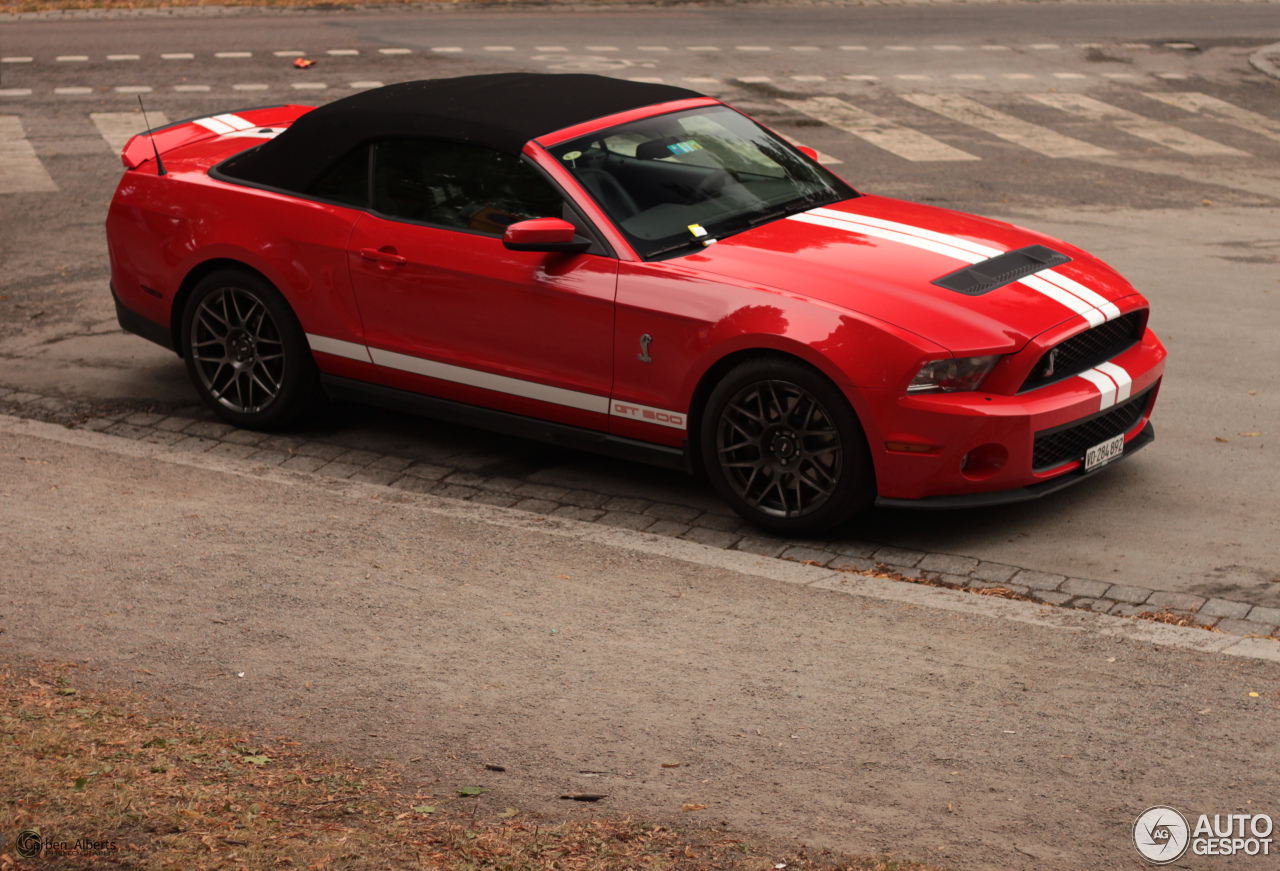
(712, 184)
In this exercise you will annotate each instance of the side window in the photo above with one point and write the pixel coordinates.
(457, 185)
(347, 181)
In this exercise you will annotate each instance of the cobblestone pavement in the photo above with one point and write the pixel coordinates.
(195, 428)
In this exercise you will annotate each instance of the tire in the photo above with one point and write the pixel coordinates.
(784, 448)
(246, 353)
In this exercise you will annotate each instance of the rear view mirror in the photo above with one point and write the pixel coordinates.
(544, 234)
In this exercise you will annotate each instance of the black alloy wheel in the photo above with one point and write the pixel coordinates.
(784, 448)
(246, 352)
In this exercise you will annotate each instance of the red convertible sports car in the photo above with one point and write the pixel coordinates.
(635, 269)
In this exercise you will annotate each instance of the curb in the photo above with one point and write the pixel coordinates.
(1267, 59)
(877, 582)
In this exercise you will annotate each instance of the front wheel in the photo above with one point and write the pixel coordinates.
(784, 449)
(246, 353)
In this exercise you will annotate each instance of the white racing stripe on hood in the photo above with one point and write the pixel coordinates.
(1091, 305)
(1118, 374)
(938, 247)
(1105, 386)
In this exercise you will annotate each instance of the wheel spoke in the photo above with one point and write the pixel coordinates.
(234, 324)
(779, 449)
(266, 388)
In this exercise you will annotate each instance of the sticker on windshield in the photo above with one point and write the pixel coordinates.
(684, 147)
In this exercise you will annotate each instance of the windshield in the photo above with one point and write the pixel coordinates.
(673, 183)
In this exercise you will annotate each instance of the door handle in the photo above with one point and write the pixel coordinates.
(383, 256)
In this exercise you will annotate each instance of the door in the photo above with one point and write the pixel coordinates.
(449, 311)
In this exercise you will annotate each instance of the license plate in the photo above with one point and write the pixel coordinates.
(1100, 455)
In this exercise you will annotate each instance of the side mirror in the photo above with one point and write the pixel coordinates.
(807, 152)
(544, 234)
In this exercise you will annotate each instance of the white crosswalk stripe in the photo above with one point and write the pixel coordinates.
(20, 169)
(905, 142)
(1137, 125)
(1039, 139)
(1221, 110)
(118, 127)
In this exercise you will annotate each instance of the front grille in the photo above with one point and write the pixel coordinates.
(1062, 444)
(1086, 350)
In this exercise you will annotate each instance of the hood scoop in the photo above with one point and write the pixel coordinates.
(1005, 269)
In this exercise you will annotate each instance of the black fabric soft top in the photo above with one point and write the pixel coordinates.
(502, 111)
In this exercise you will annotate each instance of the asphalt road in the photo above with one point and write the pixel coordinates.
(1175, 179)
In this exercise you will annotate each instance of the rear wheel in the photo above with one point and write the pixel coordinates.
(246, 352)
(784, 449)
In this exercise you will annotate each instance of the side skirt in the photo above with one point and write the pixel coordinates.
(505, 422)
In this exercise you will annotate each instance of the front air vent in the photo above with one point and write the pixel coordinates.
(1062, 444)
(1005, 269)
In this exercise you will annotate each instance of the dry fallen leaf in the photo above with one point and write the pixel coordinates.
(671, 765)
(1205, 711)
(693, 807)
(1111, 659)
(1219, 439)
(1255, 695)
(1253, 393)
(1250, 435)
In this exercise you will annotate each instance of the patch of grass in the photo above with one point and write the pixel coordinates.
(54, 5)
(98, 768)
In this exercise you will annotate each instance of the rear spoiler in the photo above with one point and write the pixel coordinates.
(263, 120)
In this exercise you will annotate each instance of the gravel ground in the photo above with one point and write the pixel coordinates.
(375, 623)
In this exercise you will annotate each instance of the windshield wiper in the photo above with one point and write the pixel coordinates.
(794, 207)
(700, 242)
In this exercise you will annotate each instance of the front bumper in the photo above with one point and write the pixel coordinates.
(1020, 494)
(969, 449)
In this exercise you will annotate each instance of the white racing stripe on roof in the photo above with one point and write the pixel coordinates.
(490, 381)
(1105, 386)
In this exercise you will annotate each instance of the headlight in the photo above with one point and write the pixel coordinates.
(952, 375)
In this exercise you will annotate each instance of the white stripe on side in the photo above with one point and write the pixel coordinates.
(235, 122)
(1124, 383)
(213, 125)
(490, 381)
(339, 348)
(1105, 386)
(647, 414)
(1057, 287)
